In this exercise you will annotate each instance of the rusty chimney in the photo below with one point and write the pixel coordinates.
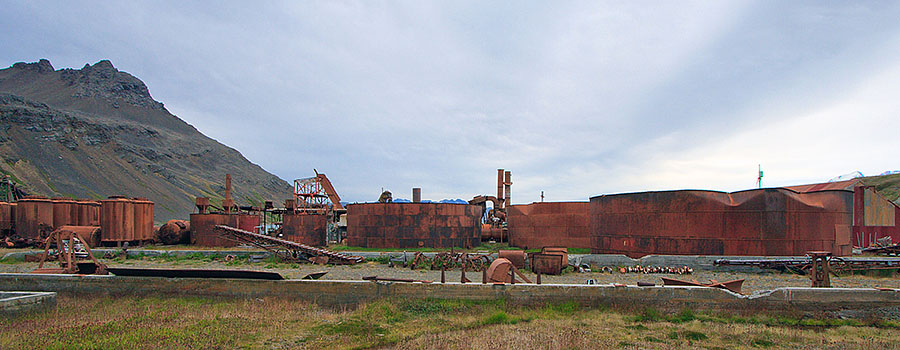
(508, 183)
(500, 187)
(417, 194)
(227, 203)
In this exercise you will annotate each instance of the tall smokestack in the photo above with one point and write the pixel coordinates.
(227, 203)
(508, 183)
(500, 187)
(417, 195)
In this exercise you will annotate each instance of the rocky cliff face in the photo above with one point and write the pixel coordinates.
(96, 132)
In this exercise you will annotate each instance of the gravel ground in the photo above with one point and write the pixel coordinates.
(764, 280)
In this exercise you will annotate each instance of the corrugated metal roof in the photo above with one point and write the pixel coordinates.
(839, 185)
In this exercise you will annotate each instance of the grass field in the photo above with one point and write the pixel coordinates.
(151, 323)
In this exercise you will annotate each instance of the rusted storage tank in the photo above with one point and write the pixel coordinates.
(203, 231)
(6, 218)
(764, 222)
(411, 225)
(90, 233)
(62, 212)
(117, 220)
(88, 213)
(304, 228)
(31, 214)
(143, 219)
(174, 232)
(545, 224)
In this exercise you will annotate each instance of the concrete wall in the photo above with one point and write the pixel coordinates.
(861, 302)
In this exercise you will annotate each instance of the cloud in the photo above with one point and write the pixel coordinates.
(575, 98)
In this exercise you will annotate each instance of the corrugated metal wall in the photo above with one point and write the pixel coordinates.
(767, 222)
(550, 224)
(874, 217)
(410, 225)
(304, 228)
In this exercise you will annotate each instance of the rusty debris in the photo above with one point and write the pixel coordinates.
(503, 271)
(388, 279)
(451, 260)
(650, 269)
(734, 285)
(285, 250)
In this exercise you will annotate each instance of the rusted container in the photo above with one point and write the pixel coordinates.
(548, 263)
(6, 218)
(143, 219)
(411, 225)
(203, 231)
(88, 213)
(174, 232)
(31, 214)
(117, 220)
(247, 222)
(764, 222)
(62, 212)
(874, 217)
(538, 225)
(304, 228)
(90, 233)
(517, 257)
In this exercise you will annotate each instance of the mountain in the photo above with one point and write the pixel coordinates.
(96, 131)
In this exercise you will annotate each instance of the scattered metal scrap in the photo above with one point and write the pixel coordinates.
(388, 279)
(684, 270)
(802, 265)
(734, 285)
(451, 260)
(287, 250)
(503, 271)
(892, 249)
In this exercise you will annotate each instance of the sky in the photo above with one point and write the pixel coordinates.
(575, 98)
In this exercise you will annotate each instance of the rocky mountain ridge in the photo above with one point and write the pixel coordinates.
(96, 132)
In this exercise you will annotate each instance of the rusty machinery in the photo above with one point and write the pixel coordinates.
(317, 196)
(495, 218)
(70, 245)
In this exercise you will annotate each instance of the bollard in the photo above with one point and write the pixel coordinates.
(443, 280)
(462, 276)
(539, 278)
(484, 276)
(512, 275)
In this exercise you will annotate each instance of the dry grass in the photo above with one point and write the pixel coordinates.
(151, 323)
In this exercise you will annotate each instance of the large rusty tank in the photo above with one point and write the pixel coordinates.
(62, 212)
(7, 217)
(143, 219)
(545, 224)
(203, 232)
(33, 213)
(174, 232)
(764, 222)
(88, 213)
(117, 220)
(304, 228)
(413, 225)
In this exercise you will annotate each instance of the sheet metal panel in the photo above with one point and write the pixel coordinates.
(410, 225)
(31, 213)
(538, 225)
(303, 228)
(757, 222)
(874, 217)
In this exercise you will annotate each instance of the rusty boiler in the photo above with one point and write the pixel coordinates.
(174, 232)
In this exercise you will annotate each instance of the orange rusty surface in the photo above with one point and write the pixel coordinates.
(412, 225)
(303, 228)
(117, 220)
(31, 213)
(874, 217)
(203, 232)
(7, 216)
(764, 222)
(538, 225)
(143, 219)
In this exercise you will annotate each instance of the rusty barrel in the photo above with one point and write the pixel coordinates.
(31, 213)
(143, 219)
(516, 257)
(174, 232)
(117, 219)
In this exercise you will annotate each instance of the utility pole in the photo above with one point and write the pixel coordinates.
(759, 178)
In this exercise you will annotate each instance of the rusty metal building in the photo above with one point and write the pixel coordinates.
(549, 224)
(203, 232)
(765, 222)
(874, 217)
(305, 228)
(413, 225)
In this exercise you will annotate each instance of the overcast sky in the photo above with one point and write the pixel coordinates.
(575, 98)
